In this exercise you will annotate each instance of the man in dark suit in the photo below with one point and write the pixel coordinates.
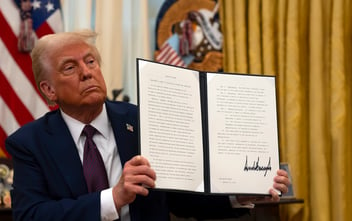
(49, 156)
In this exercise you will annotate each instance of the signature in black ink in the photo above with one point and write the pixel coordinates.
(257, 167)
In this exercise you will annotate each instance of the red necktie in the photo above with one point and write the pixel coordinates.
(93, 165)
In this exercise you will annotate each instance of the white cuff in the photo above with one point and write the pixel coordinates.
(107, 205)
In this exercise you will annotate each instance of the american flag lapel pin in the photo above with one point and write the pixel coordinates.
(129, 127)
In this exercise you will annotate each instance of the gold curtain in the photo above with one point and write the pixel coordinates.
(307, 46)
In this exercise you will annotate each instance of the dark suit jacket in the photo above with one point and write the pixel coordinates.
(48, 176)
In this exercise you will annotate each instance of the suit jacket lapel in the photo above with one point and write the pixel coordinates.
(126, 138)
(64, 153)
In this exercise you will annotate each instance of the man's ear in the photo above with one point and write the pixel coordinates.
(48, 90)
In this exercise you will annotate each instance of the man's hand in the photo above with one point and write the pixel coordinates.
(281, 183)
(136, 176)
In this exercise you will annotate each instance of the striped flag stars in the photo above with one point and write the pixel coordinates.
(49, 7)
(36, 4)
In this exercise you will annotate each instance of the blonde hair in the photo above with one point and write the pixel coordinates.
(41, 65)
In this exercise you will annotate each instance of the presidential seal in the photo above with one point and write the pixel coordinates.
(188, 34)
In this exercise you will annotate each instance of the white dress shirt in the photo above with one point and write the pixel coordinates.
(106, 143)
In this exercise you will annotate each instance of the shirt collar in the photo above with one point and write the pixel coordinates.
(101, 123)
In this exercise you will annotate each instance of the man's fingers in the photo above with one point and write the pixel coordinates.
(282, 187)
(137, 171)
(138, 160)
(140, 180)
(281, 172)
(282, 180)
(274, 195)
(137, 189)
(131, 171)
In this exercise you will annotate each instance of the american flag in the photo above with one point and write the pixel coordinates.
(169, 52)
(20, 101)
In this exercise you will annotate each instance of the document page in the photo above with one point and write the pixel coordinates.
(170, 125)
(243, 136)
